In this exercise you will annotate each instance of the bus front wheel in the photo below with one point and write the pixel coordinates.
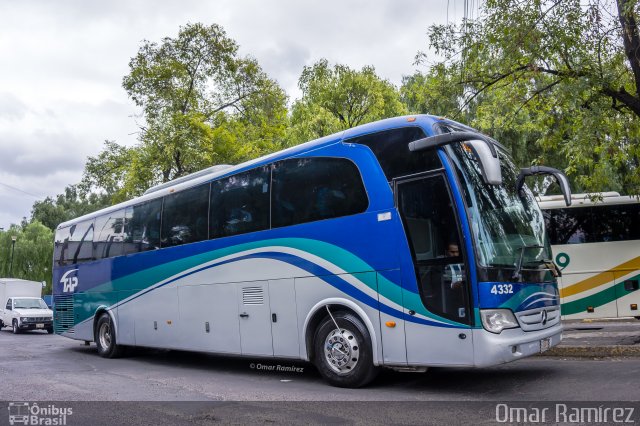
(106, 338)
(344, 356)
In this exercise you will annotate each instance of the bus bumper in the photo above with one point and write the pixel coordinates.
(512, 344)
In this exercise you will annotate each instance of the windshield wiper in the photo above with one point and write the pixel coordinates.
(517, 274)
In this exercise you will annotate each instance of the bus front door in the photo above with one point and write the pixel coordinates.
(441, 334)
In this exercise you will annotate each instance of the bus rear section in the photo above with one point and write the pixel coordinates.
(596, 242)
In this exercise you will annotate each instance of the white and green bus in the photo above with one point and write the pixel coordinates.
(597, 245)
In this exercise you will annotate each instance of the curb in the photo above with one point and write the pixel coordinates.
(594, 351)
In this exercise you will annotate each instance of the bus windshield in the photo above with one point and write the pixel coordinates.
(505, 226)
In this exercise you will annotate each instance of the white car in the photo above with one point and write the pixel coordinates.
(27, 313)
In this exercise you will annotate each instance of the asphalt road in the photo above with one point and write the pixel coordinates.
(38, 367)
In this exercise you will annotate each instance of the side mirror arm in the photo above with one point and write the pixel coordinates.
(562, 179)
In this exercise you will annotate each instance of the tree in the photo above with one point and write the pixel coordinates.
(337, 98)
(565, 76)
(108, 170)
(32, 253)
(202, 105)
(69, 205)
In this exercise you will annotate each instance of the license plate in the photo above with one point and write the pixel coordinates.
(545, 344)
(39, 325)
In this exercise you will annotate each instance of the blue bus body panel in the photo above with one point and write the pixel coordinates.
(518, 297)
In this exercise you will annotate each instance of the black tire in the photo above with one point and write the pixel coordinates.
(50, 330)
(105, 338)
(348, 351)
(14, 327)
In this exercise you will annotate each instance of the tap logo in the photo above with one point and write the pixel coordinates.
(69, 284)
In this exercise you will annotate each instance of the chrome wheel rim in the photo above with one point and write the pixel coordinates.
(104, 335)
(342, 351)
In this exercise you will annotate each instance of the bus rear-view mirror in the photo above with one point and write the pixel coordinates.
(562, 179)
(482, 148)
(489, 163)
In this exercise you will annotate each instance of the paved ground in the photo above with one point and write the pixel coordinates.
(39, 367)
(599, 338)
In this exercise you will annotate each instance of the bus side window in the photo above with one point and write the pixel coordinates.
(619, 222)
(61, 245)
(108, 235)
(569, 226)
(310, 189)
(240, 203)
(143, 227)
(80, 248)
(391, 148)
(184, 216)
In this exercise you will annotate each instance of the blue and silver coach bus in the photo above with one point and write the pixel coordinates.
(404, 243)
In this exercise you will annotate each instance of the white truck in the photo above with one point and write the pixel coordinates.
(22, 307)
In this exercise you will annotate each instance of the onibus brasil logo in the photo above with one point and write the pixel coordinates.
(69, 283)
(25, 413)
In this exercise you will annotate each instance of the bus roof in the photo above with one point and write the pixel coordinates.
(581, 200)
(424, 121)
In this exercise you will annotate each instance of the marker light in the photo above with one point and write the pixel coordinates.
(496, 320)
(390, 324)
(411, 119)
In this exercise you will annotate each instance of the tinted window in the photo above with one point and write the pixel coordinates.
(80, 246)
(184, 216)
(240, 203)
(308, 189)
(109, 235)
(593, 224)
(128, 246)
(568, 226)
(61, 245)
(142, 226)
(616, 223)
(391, 148)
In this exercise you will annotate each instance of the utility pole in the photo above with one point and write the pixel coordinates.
(13, 249)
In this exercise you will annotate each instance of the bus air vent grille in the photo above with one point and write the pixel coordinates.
(252, 296)
(63, 314)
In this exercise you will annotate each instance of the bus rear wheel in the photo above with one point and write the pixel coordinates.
(344, 356)
(106, 338)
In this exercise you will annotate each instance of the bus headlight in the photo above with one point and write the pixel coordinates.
(496, 320)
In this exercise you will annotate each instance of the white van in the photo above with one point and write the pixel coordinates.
(22, 307)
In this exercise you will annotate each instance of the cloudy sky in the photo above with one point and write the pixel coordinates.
(62, 63)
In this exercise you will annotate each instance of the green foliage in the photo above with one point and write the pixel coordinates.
(202, 105)
(339, 98)
(557, 81)
(73, 203)
(32, 253)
